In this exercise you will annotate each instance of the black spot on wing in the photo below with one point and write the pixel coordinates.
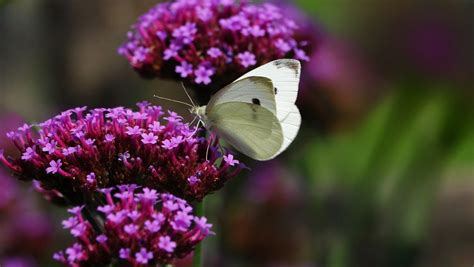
(276, 90)
(256, 101)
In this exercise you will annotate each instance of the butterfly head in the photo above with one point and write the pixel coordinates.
(200, 112)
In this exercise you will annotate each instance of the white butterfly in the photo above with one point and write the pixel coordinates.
(256, 113)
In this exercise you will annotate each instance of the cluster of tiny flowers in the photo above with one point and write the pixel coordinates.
(76, 152)
(198, 39)
(142, 228)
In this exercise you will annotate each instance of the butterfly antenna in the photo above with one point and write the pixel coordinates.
(186, 92)
(172, 100)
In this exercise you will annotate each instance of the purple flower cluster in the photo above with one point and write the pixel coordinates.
(77, 152)
(196, 40)
(142, 228)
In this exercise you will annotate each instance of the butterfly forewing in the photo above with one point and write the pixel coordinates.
(285, 76)
(250, 128)
(251, 90)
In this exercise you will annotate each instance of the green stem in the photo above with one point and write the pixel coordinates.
(197, 259)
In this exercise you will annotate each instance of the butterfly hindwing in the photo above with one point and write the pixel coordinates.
(251, 129)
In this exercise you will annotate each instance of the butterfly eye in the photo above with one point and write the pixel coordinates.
(276, 90)
(256, 101)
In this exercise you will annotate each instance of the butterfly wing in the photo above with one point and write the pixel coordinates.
(251, 90)
(285, 76)
(252, 129)
(290, 125)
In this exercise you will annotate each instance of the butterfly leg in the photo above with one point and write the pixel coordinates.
(197, 127)
(211, 140)
(207, 150)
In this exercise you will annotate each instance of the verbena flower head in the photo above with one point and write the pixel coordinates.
(200, 39)
(77, 152)
(140, 228)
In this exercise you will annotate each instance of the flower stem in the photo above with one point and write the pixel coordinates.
(197, 259)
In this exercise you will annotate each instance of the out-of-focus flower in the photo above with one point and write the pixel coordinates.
(274, 199)
(77, 152)
(9, 190)
(338, 66)
(337, 85)
(272, 183)
(198, 40)
(8, 121)
(142, 228)
(18, 262)
(18, 235)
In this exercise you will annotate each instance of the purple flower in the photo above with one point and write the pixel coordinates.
(130, 229)
(185, 33)
(246, 59)
(156, 127)
(148, 195)
(173, 37)
(109, 138)
(90, 141)
(54, 166)
(101, 238)
(203, 225)
(28, 154)
(79, 229)
(203, 74)
(254, 30)
(173, 142)
(124, 253)
(166, 244)
(214, 52)
(91, 178)
(184, 69)
(59, 256)
(149, 138)
(146, 144)
(301, 55)
(283, 46)
(161, 238)
(74, 253)
(171, 52)
(105, 209)
(170, 205)
(153, 226)
(134, 215)
(204, 13)
(181, 221)
(69, 151)
(193, 180)
(69, 223)
(229, 159)
(143, 256)
(135, 130)
(50, 147)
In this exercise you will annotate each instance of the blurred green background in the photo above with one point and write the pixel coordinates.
(381, 174)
